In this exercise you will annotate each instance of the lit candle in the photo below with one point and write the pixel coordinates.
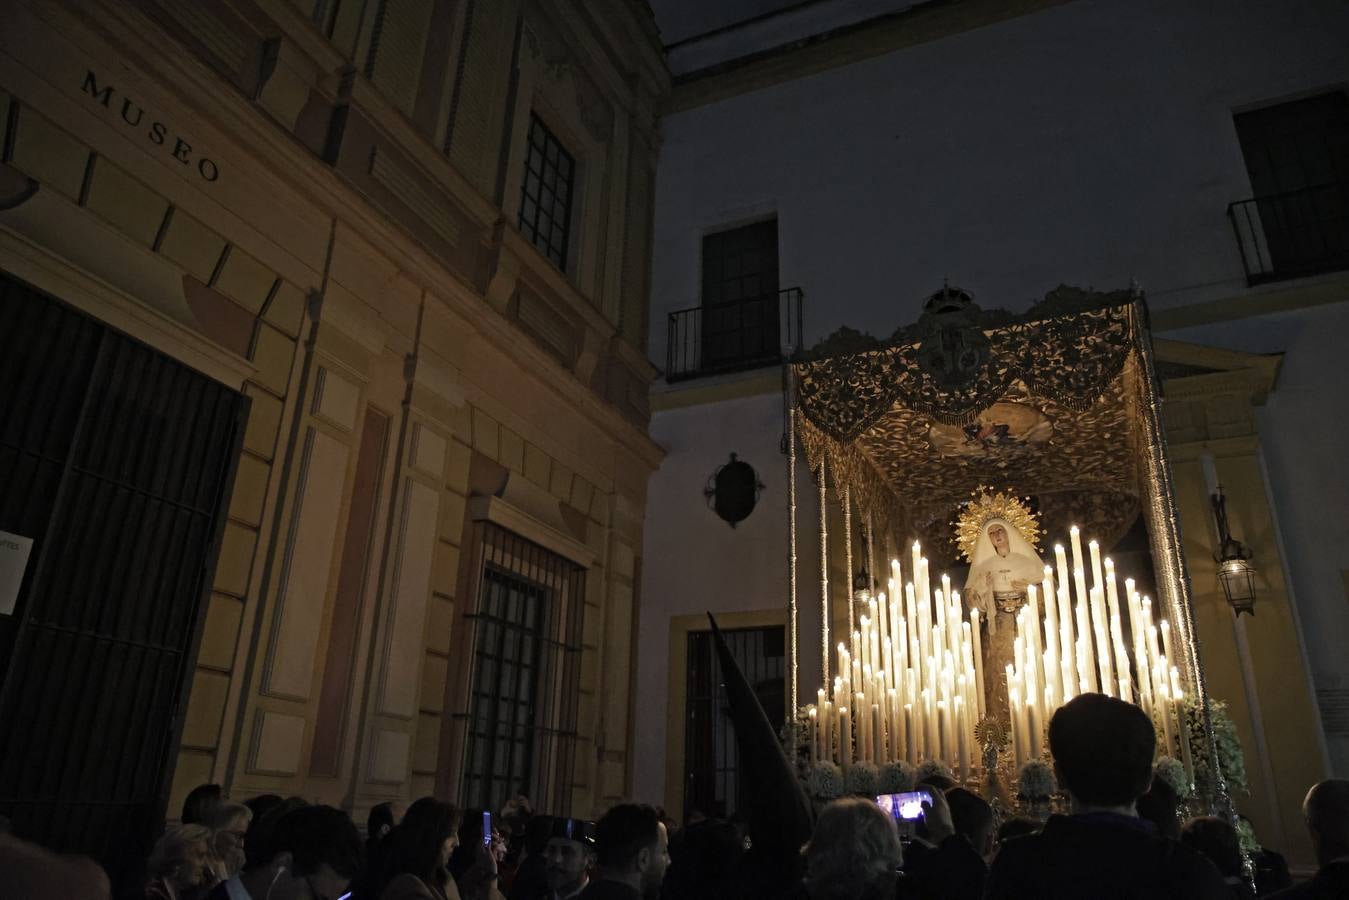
(1013, 702)
(1166, 640)
(1094, 549)
(1052, 673)
(1067, 652)
(1087, 657)
(1099, 627)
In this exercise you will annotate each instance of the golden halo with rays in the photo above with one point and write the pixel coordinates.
(988, 505)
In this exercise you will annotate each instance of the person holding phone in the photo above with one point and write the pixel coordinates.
(948, 859)
(420, 850)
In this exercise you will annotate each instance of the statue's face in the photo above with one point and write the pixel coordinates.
(998, 535)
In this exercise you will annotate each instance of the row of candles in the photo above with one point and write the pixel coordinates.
(1078, 645)
(910, 684)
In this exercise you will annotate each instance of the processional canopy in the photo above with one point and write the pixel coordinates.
(1045, 403)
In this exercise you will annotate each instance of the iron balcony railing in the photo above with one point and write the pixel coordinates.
(1293, 234)
(733, 337)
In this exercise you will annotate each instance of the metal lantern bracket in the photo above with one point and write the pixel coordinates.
(1235, 572)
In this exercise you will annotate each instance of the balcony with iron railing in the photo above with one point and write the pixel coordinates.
(1293, 234)
(744, 334)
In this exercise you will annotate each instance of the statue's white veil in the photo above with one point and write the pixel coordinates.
(1029, 565)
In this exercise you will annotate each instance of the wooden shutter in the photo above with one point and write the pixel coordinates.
(478, 104)
(397, 47)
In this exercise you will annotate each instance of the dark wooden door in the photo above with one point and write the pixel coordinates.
(117, 462)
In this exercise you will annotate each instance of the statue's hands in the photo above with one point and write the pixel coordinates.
(1019, 585)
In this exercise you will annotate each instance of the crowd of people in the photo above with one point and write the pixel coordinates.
(1122, 838)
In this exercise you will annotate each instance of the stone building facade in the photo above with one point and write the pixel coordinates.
(356, 219)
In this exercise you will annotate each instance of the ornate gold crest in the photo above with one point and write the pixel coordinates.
(988, 505)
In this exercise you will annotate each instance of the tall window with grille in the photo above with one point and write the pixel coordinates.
(740, 296)
(521, 734)
(1297, 155)
(546, 193)
(711, 758)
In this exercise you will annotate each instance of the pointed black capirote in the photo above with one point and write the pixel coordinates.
(779, 812)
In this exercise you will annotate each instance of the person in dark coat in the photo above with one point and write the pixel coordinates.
(1327, 812)
(1102, 749)
(531, 871)
(632, 853)
(1218, 841)
(569, 856)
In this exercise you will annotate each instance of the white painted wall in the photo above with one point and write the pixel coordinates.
(1090, 144)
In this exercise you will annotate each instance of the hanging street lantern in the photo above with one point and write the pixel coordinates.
(1235, 572)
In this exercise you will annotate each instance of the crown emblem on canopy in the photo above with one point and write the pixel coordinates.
(987, 505)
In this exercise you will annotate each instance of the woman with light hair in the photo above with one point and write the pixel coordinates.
(854, 852)
(181, 866)
(229, 822)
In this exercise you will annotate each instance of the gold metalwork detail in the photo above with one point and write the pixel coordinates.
(986, 506)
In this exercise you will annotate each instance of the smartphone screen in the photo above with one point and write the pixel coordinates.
(486, 828)
(905, 807)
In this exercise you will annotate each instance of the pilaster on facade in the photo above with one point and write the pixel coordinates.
(1259, 668)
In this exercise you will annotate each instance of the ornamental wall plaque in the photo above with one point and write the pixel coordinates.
(733, 491)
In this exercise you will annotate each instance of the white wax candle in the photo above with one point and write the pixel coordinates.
(1166, 640)
(828, 728)
(912, 730)
(895, 730)
(1052, 673)
(1067, 651)
(1094, 550)
(877, 735)
(814, 734)
(976, 643)
(1032, 723)
(931, 733)
(1103, 648)
(1013, 704)
(845, 736)
(962, 739)
(863, 726)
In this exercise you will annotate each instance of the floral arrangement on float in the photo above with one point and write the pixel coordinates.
(1035, 789)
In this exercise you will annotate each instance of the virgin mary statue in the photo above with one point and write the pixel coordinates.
(997, 534)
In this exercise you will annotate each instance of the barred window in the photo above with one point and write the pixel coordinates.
(546, 195)
(526, 667)
(712, 784)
